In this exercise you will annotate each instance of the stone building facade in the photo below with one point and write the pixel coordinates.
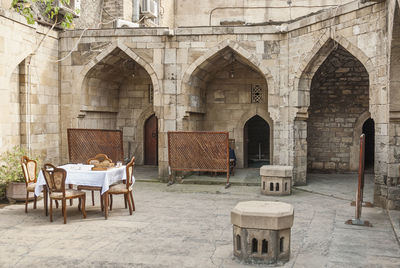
(313, 75)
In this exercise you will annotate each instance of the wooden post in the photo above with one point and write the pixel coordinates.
(360, 189)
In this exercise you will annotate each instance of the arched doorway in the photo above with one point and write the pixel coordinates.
(339, 95)
(151, 141)
(256, 142)
(369, 130)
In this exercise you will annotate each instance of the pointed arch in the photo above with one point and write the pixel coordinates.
(238, 132)
(249, 57)
(139, 60)
(314, 59)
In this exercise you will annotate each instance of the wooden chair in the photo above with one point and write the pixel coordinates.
(29, 168)
(124, 188)
(99, 158)
(55, 180)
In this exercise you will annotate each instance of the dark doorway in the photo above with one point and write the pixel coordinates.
(256, 142)
(369, 131)
(151, 141)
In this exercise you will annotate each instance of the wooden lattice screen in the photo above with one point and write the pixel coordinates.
(199, 151)
(86, 143)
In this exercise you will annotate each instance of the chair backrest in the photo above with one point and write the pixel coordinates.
(29, 167)
(99, 158)
(129, 172)
(55, 178)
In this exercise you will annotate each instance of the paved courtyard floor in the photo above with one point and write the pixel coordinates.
(188, 225)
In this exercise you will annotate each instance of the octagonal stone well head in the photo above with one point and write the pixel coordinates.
(265, 215)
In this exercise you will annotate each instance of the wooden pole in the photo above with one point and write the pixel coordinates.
(360, 189)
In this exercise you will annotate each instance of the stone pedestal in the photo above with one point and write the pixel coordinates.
(261, 231)
(276, 180)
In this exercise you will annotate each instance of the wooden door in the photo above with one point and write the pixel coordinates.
(151, 141)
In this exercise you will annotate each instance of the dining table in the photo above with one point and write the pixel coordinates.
(82, 174)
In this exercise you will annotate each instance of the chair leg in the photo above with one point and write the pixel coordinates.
(56, 203)
(129, 202)
(106, 205)
(51, 210)
(101, 201)
(125, 201)
(26, 202)
(83, 205)
(64, 204)
(93, 198)
(70, 201)
(111, 201)
(34, 200)
(45, 200)
(133, 202)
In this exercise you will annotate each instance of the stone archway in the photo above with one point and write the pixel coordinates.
(339, 95)
(116, 93)
(204, 61)
(223, 88)
(239, 134)
(200, 67)
(301, 94)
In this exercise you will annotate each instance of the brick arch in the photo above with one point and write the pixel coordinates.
(314, 59)
(237, 48)
(139, 60)
(238, 131)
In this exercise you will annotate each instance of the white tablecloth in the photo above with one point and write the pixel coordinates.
(79, 174)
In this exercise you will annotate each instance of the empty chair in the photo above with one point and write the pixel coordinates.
(29, 168)
(124, 188)
(55, 180)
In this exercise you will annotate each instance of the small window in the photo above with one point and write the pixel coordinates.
(256, 94)
(254, 246)
(263, 185)
(281, 245)
(264, 247)
(238, 243)
(285, 186)
(271, 186)
(277, 187)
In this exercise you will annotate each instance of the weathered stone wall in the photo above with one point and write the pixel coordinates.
(37, 74)
(387, 189)
(338, 97)
(89, 15)
(213, 12)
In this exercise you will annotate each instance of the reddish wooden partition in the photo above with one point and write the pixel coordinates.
(199, 151)
(86, 143)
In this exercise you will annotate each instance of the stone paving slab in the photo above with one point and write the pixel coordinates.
(189, 226)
